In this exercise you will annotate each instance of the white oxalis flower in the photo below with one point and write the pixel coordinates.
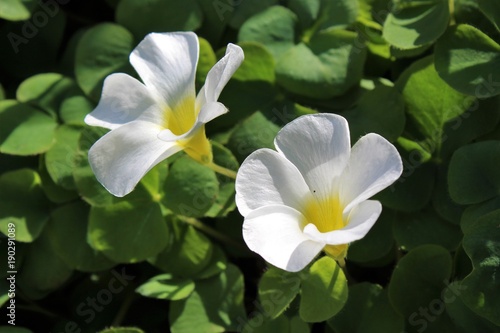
(311, 194)
(152, 121)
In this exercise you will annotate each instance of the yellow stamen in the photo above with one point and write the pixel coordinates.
(181, 117)
(326, 215)
(179, 120)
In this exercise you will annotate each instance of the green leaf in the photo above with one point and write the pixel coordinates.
(413, 23)
(324, 291)
(225, 202)
(337, 14)
(54, 192)
(467, 59)
(413, 230)
(419, 279)
(482, 244)
(22, 203)
(46, 91)
(206, 61)
(480, 118)
(306, 10)
(67, 231)
(330, 64)
(165, 286)
(377, 243)
(277, 289)
(158, 15)
(446, 208)
(127, 232)
(24, 130)
(42, 271)
(464, 318)
(217, 264)
(102, 50)
(243, 10)
(274, 28)
(492, 10)
(190, 188)
(255, 132)
(216, 305)
(367, 308)
(430, 102)
(413, 190)
(74, 109)
(14, 10)
(381, 111)
(473, 212)
(251, 88)
(473, 173)
(257, 66)
(60, 158)
(188, 254)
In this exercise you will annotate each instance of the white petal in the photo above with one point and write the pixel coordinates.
(123, 156)
(319, 146)
(267, 178)
(361, 220)
(166, 62)
(220, 74)
(374, 164)
(123, 99)
(274, 233)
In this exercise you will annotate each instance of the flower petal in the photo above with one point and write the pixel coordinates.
(166, 62)
(267, 178)
(274, 232)
(220, 74)
(361, 220)
(319, 146)
(123, 99)
(374, 164)
(123, 156)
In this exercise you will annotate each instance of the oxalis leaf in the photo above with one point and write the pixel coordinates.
(430, 102)
(473, 175)
(24, 130)
(324, 291)
(127, 232)
(482, 244)
(327, 66)
(413, 23)
(469, 61)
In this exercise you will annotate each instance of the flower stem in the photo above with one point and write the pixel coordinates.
(214, 233)
(123, 309)
(223, 171)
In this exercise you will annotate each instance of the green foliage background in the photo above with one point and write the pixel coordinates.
(424, 74)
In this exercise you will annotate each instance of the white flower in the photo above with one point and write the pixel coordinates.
(152, 121)
(311, 194)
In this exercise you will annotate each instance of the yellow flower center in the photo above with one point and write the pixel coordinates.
(180, 120)
(326, 215)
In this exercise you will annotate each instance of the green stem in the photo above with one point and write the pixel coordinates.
(222, 170)
(214, 233)
(123, 309)
(451, 4)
